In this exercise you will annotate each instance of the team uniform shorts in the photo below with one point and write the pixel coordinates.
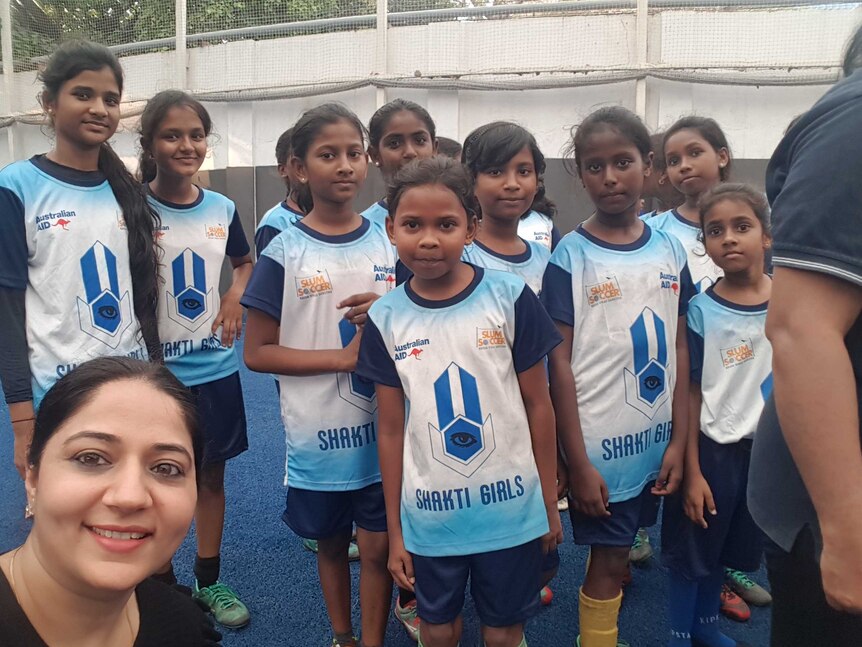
(732, 539)
(313, 514)
(620, 528)
(504, 585)
(221, 411)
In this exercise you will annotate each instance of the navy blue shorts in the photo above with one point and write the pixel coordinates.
(621, 527)
(732, 538)
(221, 410)
(312, 514)
(504, 585)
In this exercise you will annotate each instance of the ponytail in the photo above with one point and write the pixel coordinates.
(141, 221)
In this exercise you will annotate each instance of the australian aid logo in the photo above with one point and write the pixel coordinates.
(603, 291)
(739, 354)
(385, 274)
(55, 219)
(669, 282)
(411, 349)
(313, 286)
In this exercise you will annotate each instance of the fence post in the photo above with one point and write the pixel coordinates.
(8, 71)
(381, 52)
(641, 53)
(181, 76)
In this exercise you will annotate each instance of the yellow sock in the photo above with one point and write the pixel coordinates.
(598, 620)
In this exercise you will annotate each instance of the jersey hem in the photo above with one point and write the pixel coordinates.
(331, 487)
(482, 546)
(209, 377)
(633, 492)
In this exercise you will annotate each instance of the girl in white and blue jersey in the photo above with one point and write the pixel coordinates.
(330, 260)
(278, 217)
(398, 133)
(697, 157)
(197, 326)
(507, 165)
(469, 465)
(78, 276)
(707, 526)
(619, 291)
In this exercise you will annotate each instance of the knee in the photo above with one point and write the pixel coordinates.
(611, 562)
(503, 636)
(446, 634)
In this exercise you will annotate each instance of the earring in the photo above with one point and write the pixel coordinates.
(376, 163)
(29, 510)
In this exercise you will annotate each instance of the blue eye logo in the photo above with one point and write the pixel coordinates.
(191, 303)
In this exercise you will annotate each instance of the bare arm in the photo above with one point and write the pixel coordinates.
(698, 494)
(390, 449)
(229, 316)
(265, 355)
(815, 395)
(670, 475)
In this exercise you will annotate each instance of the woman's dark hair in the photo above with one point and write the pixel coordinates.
(708, 129)
(77, 388)
(449, 148)
(615, 118)
(68, 61)
(736, 192)
(440, 170)
(282, 147)
(308, 128)
(493, 145)
(381, 118)
(853, 54)
(154, 113)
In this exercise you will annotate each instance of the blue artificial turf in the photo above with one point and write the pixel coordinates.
(266, 564)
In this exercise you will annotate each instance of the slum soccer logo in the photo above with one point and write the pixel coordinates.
(464, 440)
(105, 313)
(646, 387)
(351, 387)
(191, 301)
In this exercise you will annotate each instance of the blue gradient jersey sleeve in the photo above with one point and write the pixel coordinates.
(529, 265)
(702, 270)
(470, 482)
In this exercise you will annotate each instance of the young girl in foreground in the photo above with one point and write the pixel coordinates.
(618, 291)
(197, 326)
(469, 481)
(708, 526)
(298, 328)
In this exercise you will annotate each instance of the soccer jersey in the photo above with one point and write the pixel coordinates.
(703, 271)
(64, 242)
(272, 224)
(377, 212)
(470, 482)
(529, 265)
(623, 302)
(329, 419)
(195, 238)
(539, 228)
(731, 359)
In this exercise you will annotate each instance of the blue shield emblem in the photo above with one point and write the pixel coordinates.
(103, 313)
(191, 302)
(351, 388)
(646, 385)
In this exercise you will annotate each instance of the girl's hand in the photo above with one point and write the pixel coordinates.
(670, 475)
(229, 317)
(401, 564)
(697, 497)
(351, 352)
(359, 305)
(554, 536)
(588, 491)
(562, 478)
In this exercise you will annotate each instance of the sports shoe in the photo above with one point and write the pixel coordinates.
(746, 588)
(563, 504)
(408, 617)
(620, 642)
(641, 549)
(733, 606)
(225, 605)
(352, 550)
(352, 643)
(546, 595)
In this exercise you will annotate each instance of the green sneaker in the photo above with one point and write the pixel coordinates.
(620, 642)
(351, 643)
(352, 550)
(225, 605)
(641, 549)
(408, 618)
(746, 588)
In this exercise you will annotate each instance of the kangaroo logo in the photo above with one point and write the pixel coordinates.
(191, 302)
(416, 352)
(351, 387)
(464, 441)
(646, 387)
(62, 222)
(105, 313)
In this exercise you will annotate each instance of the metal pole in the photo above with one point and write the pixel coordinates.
(180, 52)
(381, 51)
(642, 32)
(8, 70)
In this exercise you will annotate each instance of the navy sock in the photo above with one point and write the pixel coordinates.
(682, 599)
(207, 570)
(708, 601)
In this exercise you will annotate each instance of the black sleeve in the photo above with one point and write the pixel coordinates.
(555, 237)
(263, 237)
(14, 362)
(237, 243)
